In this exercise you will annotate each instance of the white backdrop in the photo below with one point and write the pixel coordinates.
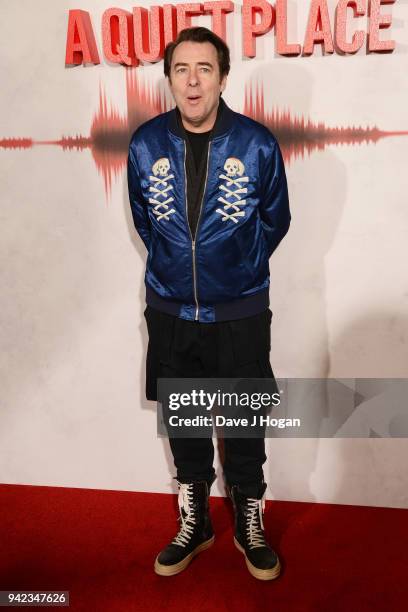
(73, 411)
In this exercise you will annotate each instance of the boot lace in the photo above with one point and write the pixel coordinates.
(187, 517)
(254, 522)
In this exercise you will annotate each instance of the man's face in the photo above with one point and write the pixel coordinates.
(196, 84)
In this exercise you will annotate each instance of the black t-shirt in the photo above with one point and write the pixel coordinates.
(198, 142)
(196, 169)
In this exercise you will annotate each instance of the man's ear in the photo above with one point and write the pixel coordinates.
(223, 82)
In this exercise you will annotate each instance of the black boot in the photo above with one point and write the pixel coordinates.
(195, 534)
(261, 560)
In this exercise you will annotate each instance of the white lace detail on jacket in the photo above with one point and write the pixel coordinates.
(160, 189)
(233, 190)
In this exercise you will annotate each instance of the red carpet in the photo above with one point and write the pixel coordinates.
(101, 545)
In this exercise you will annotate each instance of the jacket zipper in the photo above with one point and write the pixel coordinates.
(193, 242)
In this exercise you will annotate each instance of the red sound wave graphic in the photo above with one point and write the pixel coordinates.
(111, 132)
(16, 143)
(297, 136)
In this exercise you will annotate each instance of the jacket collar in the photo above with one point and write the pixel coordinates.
(222, 126)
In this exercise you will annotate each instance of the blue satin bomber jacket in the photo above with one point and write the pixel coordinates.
(223, 273)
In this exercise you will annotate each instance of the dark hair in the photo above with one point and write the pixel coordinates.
(199, 35)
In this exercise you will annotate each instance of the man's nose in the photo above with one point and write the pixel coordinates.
(193, 79)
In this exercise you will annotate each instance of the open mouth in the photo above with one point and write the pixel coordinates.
(193, 99)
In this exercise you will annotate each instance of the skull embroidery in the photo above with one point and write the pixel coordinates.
(234, 167)
(233, 190)
(161, 167)
(161, 189)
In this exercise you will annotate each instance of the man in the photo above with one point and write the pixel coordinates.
(209, 198)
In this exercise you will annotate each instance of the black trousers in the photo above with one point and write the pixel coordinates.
(230, 349)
